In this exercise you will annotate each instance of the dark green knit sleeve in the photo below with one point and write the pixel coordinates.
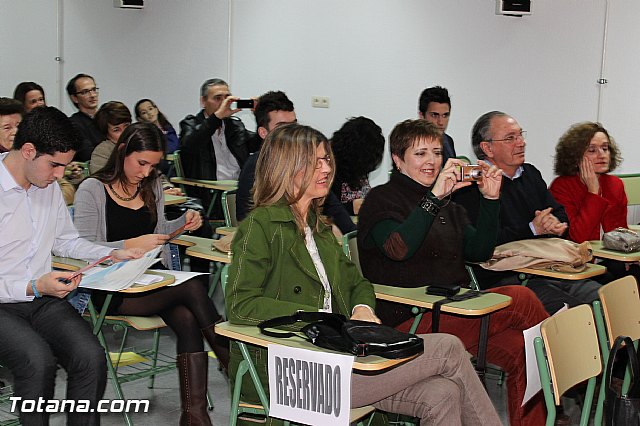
(400, 241)
(479, 242)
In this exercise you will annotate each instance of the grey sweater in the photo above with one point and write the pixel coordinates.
(90, 215)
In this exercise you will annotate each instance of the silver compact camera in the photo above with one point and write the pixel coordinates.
(470, 173)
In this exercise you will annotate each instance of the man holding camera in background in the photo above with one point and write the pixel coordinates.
(214, 145)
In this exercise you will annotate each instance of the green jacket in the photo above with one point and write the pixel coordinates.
(272, 275)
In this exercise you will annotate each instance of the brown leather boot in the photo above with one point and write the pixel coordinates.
(192, 368)
(219, 346)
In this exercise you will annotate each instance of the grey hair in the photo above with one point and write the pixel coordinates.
(211, 82)
(480, 131)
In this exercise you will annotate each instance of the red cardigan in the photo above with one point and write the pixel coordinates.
(589, 212)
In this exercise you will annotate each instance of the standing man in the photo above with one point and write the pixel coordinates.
(527, 208)
(83, 93)
(40, 329)
(434, 106)
(214, 145)
(11, 112)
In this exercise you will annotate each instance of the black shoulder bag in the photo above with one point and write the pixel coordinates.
(622, 409)
(359, 338)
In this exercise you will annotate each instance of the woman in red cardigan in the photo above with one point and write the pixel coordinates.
(594, 200)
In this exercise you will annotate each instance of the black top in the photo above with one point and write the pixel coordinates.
(519, 200)
(124, 223)
(91, 136)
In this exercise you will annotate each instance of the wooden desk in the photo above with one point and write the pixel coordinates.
(170, 200)
(218, 185)
(226, 230)
(592, 270)
(245, 334)
(481, 306)
(600, 251)
(215, 186)
(635, 228)
(202, 248)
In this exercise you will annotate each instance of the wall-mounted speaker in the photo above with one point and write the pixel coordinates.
(129, 4)
(513, 7)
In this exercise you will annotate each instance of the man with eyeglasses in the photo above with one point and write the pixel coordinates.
(434, 106)
(83, 93)
(527, 208)
(214, 145)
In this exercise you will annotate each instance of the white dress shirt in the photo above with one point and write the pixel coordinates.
(33, 224)
(227, 167)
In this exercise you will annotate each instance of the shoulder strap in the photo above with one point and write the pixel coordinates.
(633, 361)
(435, 316)
(299, 316)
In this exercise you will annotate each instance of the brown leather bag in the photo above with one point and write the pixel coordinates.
(555, 254)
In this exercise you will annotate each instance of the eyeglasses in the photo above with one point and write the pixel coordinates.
(85, 92)
(326, 159)
(511, 139)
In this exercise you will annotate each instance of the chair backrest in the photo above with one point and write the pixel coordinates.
(350, 247)
(621, 308)
(229, 208)
(631, 188)
(571, 344)
(177, 163)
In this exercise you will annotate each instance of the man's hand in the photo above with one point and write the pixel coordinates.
(48, 284)
(133, 252)
(173, 191)
(546, 223)
(364, 313)
(491, 181)
(144, 243)
(225, 110)
(193, 220)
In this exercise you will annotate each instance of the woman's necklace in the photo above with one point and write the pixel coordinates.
(125, 198)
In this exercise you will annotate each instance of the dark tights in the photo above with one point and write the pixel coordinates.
(185, 308)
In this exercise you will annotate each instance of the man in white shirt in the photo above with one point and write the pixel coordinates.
(214, 145)
(39, 328)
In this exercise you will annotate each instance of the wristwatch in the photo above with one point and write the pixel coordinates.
(429, 203)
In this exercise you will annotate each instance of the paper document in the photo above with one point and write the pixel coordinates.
(120, 275)
(533, 373)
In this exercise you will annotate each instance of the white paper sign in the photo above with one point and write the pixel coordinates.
(533, 373)
(309, 387)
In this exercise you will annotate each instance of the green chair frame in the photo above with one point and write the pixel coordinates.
(567, 354)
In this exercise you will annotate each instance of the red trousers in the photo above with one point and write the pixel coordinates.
(505, 346)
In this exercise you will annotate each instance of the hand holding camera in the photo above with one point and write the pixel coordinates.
(490, 181)
(450, 179)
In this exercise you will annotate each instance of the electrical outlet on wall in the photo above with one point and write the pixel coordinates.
(320, 101)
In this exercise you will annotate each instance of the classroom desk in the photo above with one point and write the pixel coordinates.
(215, 186)
(481, 306)
(591, 271)
(202, 248)
(98, 319)
(248, 334)
(601, 252)
(635, 227)
(226, 230)
(170, 200)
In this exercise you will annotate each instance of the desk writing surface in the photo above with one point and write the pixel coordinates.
(202, 248)
(226, 230)
(592, 270)
(220, 185)
(170, 200)
(69, 264)
(251, 334)
(487, 303)
(600, 251)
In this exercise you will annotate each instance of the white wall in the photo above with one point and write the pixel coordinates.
(371, 57)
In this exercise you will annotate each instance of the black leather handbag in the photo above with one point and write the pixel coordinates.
(622, 409)
(359, 338)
